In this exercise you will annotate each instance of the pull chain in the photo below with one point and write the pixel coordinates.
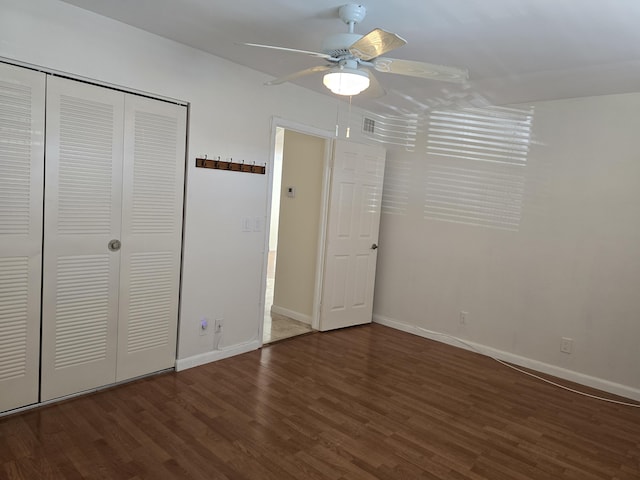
(338, 119)
(348, 129)
(349, 118)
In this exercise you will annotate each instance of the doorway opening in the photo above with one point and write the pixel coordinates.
(294, 232)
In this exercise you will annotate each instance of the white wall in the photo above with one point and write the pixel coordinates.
(230, 116)
(571, 268)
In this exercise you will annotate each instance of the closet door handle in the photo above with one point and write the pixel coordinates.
(114, 245)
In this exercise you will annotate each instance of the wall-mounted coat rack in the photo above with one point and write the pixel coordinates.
(230, 165)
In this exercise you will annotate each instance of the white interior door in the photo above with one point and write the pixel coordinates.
(22, 96)
(153, 185)
(352, 235)
(83, 204)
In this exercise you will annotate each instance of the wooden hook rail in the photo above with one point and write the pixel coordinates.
(230, 165)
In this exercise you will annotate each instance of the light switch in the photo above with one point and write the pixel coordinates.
(291, 192)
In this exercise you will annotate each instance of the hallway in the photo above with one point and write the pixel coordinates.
(278, 327)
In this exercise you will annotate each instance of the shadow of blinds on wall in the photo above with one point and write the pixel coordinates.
(394, 132)
(476, 160)
(395, 192)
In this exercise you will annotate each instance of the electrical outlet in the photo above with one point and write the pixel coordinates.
(218, 326)
(204, 326)
(566, 345)
(463, 317)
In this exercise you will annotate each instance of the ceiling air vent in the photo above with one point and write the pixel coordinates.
(369, 125)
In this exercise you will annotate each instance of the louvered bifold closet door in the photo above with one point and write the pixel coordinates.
(83, 204)
(22, 94)
(153, 187)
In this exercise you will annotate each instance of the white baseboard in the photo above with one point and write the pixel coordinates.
(581, 378)
(301, 317)
(214, 355)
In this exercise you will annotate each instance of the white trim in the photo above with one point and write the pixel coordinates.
(300, 317)
(298, 127)
(322, 233)
(215, 355)
(570, 375)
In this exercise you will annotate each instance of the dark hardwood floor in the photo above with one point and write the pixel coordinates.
(361, 403)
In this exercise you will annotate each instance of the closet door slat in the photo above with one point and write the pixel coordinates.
(22, 97)
(153, 185)
(83, 204)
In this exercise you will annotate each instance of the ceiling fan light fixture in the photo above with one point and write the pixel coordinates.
(346, 81)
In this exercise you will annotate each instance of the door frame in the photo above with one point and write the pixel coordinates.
(278, 122)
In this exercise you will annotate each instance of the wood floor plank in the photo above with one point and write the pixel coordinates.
(362, 403)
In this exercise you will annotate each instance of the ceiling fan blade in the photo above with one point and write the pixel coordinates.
(421, 70)
(375, 43)
(285, 49)
(301, 73)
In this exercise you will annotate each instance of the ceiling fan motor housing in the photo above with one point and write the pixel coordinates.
(352, 13)
(338, 44)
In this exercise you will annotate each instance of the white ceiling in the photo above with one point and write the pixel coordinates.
(516, 51)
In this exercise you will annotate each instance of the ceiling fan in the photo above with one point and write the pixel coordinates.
(350, 57)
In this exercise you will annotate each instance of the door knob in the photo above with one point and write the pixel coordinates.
(374, 246)
(114, 245)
